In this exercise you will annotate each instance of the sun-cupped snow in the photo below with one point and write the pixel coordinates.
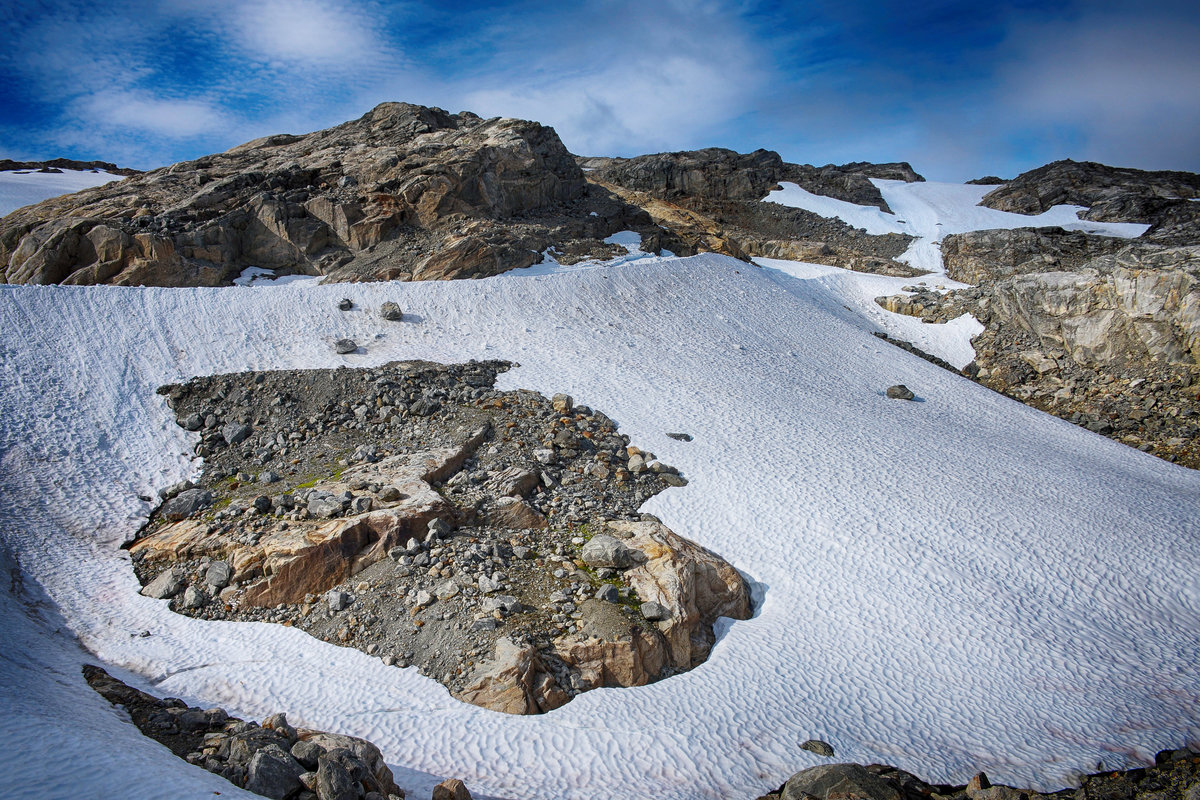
(630, 240)
(950, 584)
(24, 188)
(932, 210)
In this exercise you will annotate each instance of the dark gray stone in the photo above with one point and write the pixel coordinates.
(273, 773)
(344, 346)
(168, 584)
(235, 433)
(840, 781)
(186, 503)
(900, 392)
(218, 575)
(391, 312)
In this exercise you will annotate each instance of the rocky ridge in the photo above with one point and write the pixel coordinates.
(59, 164)
(1111, 194)
(491, 539)
(712, 200)
(405, 192)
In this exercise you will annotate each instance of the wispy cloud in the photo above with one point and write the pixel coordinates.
(957, 87)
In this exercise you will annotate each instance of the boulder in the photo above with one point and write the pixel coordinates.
(273, 773)
(451, 789)
(838, 782)
(514, 681)
(512, 512)
(185, 504)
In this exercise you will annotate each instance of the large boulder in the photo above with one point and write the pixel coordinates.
(838, 782)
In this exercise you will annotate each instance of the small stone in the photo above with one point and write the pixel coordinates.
(819, 747)
(900, 392)
(655, 612)
(446, 590)
(168, 584)
(423, 599)
(186, 503)
(344, 346)
(273, 773)
(608, 593)
(236, 433)
(391, 312)
(193, 422)
(345, 304)
(338, 600)
(218, 575)
(485, 624)
(269, 477)
(680, 437)
(439, 528)
(262, 503)
(603, 550)
(487, 585)
(562, 403)
(193, 598)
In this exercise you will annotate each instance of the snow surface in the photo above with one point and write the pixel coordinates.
(19, 189)
(947, 585)
(932, 210)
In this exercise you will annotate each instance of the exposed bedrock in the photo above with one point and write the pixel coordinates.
(403, 192)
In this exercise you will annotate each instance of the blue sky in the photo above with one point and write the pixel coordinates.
(960, 89)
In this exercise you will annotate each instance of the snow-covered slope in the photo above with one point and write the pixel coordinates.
(19, 189)
(950, 584)
(932, 210)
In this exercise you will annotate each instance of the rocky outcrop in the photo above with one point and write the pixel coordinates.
(685, 589)
(714, 173)
(710, 201)
(1175, 775)
(1111, 194)
(979, 256)
(717, 174)
(59, 164)
(274, 759)
(1127, 308)
(491, 539)
(405, 192)
(310, 556)
(1111, 346)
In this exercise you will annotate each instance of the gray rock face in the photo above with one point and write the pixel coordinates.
(979, 256)
(838, 782)
(1130, 307)
(186, 503)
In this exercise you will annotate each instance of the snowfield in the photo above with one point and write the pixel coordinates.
(19, 189)
(948, 585)
(931, 210)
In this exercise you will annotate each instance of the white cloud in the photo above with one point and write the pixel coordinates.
(302, 31)
(139, 112)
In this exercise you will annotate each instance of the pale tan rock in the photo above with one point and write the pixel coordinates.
(512, 512)
(694, 584)
(310, 556)
(514, 681)
(451, 789)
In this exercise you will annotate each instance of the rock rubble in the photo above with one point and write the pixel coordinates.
(491, 539)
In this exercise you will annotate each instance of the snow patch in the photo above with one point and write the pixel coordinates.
(18, 189)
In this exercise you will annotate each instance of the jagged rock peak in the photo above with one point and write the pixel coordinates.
(404, 191)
